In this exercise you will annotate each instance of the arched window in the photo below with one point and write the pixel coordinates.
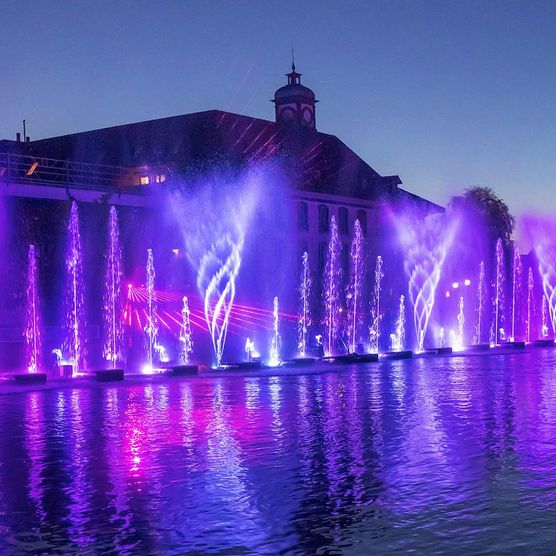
(303, 216)
(323, 219)
(362, 217)
(343, 221)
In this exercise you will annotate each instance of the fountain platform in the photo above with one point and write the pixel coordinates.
(478, 347)
(109, 375)
(394, 355)
(65, 370)
(241, 366)
(23, 379)
(299, 362)
(352, 358)
(183, 370)
(543, 343)
(440, 351)
(513, 345)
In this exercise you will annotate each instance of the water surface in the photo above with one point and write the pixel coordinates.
(444, 455)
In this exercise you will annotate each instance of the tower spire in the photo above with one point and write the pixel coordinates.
(293, 61)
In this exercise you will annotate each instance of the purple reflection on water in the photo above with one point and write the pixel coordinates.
(418, 455)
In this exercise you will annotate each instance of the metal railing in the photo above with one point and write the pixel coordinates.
(30, 169)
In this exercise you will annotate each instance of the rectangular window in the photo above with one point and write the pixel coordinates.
(323, 219)
(303, 216)
(362, 217)
(343, 224)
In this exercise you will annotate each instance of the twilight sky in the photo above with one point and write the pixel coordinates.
(446, 94)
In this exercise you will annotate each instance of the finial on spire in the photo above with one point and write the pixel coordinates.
(293, 61)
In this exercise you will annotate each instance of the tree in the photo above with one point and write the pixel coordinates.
(481, 204)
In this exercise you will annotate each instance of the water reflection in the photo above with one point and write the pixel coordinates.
(423, 455)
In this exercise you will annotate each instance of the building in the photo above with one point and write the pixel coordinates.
(126, 165)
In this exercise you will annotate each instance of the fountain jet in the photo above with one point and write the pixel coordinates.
(151, 326)
(185, 338)
(376, 316)
(497, 330)
(516, 286)
(481, 289)
(353, 294)
(426, 246)
(32, 324)
(398, 337)
(530, 301)
(304, 320)
(113, 301)
(74, 343)
(332, 285)
(461, 323)
(275, 358)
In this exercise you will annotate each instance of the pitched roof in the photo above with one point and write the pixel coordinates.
(320, 162)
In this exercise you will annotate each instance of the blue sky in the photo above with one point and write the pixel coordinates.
(445, 94)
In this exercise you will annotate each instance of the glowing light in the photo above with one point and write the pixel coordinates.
(32, 168)
(455, 285)
(467, 282)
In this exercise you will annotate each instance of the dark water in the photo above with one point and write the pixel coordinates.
(445, 455)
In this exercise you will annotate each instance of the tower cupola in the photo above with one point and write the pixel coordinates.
(294, 103)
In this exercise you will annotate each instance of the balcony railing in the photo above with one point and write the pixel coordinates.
(17, 168)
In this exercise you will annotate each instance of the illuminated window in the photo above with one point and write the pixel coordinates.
(160, 178)
(144, 180)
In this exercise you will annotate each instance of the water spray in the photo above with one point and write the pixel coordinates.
(185, 337)
(275, 342)
(74, 343)
(304, 320)
(112, 302)
(374, 331)
(332, 285)
(32, 325)
(353, 294)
